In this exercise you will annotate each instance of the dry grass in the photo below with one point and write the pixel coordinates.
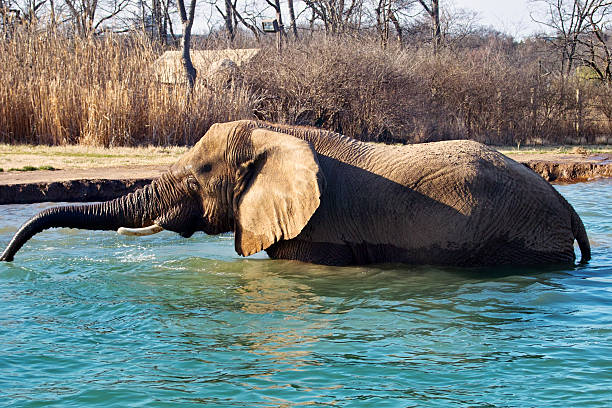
(57, 90)
(576, 150)
(81, 157)
(348, 85)
(101, 91)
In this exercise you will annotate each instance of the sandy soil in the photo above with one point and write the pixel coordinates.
(561, 158)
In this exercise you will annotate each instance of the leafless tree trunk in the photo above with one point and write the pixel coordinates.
(382, 22)
(279, 17)
(398, 27)
(187, 22)
(275, 4)
(85, 17)
(248, 25)
(292, 19)
(168, 21)
(432, 8)
(229, 20)
(385, 16)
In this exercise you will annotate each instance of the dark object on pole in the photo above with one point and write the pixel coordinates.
(270, 26)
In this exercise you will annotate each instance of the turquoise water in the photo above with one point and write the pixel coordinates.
(98, 319)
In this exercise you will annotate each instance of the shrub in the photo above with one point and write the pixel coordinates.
(56, 89)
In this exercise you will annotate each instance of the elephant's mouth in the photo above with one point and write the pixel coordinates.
(187, 234)
(185, 230)
(184, 220)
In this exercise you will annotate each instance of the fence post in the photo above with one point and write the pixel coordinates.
(578, 123)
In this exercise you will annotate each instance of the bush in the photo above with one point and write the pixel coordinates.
(55, 89)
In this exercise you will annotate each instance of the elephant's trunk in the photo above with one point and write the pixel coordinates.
(135, 210)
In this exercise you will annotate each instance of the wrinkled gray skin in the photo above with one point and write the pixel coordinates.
(315, 196)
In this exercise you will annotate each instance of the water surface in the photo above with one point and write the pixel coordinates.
(97, 319)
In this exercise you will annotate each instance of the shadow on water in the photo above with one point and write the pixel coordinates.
(93, 319)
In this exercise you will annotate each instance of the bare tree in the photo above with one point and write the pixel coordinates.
(292, 19)
(432, 8)
(279, 18)
(580, 33)
(229, 17)
(275, 4)
(252, 26)
(89, 15)
(459, 25)
(599, 46)
(155, 19)
(85, 16)
(160, 20)
(187, 22)
(25, 12)
(387, 16)
(336, 15)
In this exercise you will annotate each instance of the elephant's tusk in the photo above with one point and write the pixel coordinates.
(150, 230)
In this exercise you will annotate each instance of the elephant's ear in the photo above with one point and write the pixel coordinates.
(277, 191)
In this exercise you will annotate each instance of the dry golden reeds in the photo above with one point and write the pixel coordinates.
(57, 89)
(101, 91)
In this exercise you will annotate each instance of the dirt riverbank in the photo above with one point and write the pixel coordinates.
(74, 182)
(75, 185)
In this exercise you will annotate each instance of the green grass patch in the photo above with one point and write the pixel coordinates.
(32, 168)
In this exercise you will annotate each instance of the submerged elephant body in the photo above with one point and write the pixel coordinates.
(316, 196)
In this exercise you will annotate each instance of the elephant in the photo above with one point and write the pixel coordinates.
(312, 195)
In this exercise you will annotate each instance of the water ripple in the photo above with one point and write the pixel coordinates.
(96, 319)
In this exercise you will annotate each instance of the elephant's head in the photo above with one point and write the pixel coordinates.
(263, 185)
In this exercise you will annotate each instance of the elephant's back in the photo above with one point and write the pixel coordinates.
(505, 211)
(463, 194)
(438, 167)
(392, 192)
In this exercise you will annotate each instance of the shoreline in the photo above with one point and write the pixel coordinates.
(75, 185)
(107, 183)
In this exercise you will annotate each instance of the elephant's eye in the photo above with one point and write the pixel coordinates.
(206, 168)
(192, 183)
